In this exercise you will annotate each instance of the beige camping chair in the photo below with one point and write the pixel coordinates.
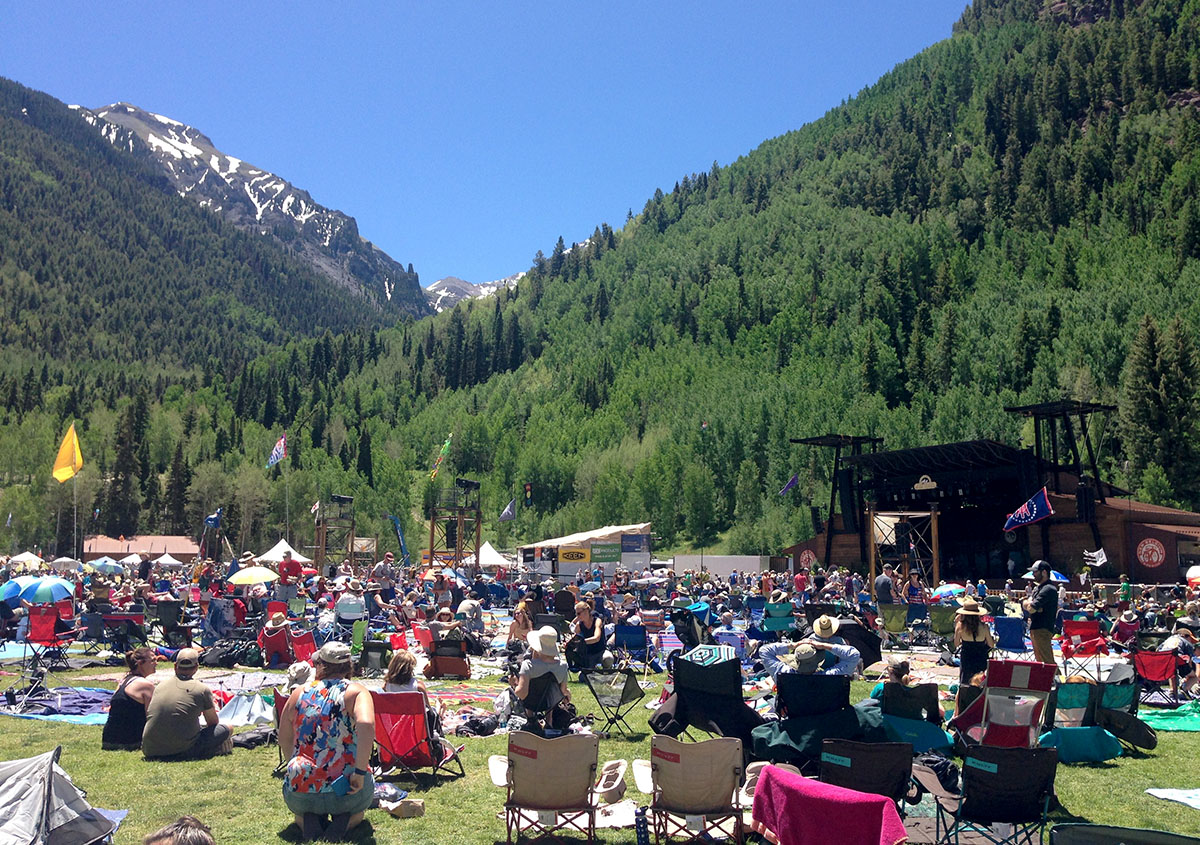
(550, 784)
(694, 788)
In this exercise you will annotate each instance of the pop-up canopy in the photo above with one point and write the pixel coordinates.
(275, 554)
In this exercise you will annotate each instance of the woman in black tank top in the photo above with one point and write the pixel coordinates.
(127, 710)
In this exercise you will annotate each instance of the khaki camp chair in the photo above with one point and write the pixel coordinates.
(695, 788)
(550, 784)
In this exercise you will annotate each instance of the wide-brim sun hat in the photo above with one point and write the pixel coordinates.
(278, 620)
(803, 658)
(970, 607)
(544, 640)
(1129, 616)
(334, 653)
(825, 627)
(355, 586)
(246, 557)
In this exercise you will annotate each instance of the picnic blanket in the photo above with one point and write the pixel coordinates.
(75, 705)
(1191, 797)
(464, 693)
(1184, 718)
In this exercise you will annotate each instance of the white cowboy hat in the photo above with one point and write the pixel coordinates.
(246, 556)
(544, 641)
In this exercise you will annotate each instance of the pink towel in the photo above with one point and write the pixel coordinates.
(799, 811)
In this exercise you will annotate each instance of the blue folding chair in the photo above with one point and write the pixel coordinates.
(1010, 637)
(633, 641)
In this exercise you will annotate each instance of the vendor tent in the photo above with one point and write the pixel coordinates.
(131, 558)
(165, 559)
(275, 554)
(489, 558)
(40, 806)
(26, 557)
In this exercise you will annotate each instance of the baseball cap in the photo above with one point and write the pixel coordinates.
(187, 658)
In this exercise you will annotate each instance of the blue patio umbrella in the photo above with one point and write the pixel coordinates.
(47, 590)
(106, 565)
(590, 585)
(1056, 577)
(11, 589)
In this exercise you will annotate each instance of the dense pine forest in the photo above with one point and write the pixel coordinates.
(1011, 216)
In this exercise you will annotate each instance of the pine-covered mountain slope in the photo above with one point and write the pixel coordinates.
(1010, 216)
(102, 260)
(259, 201)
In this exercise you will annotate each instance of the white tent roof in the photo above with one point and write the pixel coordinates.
(165, 559)
(608, 532)
(489, 558)
(26, 557)
(275, 554)
(131, 558)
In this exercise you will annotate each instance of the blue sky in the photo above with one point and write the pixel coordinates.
(464, 137)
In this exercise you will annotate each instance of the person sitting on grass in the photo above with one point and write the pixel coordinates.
(172, 721)
(127, 710)
(589, 632)
(328, 731)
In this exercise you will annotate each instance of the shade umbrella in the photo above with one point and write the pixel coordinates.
(589, 586)
(949, 590)
(308, 570)
(12, 588)
(64, 562)
(106, 565)
(1056, 577)
(47, 590)
(253, 575)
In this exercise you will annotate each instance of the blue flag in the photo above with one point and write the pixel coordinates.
(1035, 510)
(213, 520)
(509, 512)
(792, 482)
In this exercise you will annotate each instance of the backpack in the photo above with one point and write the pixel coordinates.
(249, 654)
(222, 654)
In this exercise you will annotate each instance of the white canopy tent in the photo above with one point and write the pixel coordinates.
(489, 558)
(607, 533)
(275, 554)
(165, 559)
(131, 558)
(26, 557)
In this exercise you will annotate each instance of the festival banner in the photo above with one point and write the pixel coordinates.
(70, 459)
(606, 552)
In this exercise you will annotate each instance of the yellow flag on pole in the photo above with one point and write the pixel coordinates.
(70, 459)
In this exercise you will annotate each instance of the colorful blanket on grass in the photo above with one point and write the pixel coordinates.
(464, 693)
(1186, 717)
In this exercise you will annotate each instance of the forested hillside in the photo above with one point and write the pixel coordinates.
(1010, 216)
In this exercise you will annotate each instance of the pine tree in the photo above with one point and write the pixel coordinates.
(366, 466)
(869, 367)
(122, 507)
(1180, 436)
(1141, 415)
(179, 478)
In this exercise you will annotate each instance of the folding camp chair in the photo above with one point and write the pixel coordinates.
(46, 647)
(1082, 642)
(297, 608)
(708, 693)
(1009, 713)
(941, 623)
(172, 625)
(694, 789)
(423, 636)
(1000, 786)
(550, 784)
(280, 701)
(448, 660)
(374, 658)
(913, 715)
(632, 644)
(1072, 705)
(404, 741)
(304, 645)
(1010, 637)
(1099, 834)
(1154, 670)
(94, 633)
(564, 602)
(554, 620)
(543, 695)
(880, 768)
(895, 625)
(1150, 640)
(734, 639)
(276, 647)
(616, 691)
(655, 621)
(779, 616)
(800, 696)
(755, 607)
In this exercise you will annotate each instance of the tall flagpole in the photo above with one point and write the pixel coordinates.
(287, 498)
(74, 518)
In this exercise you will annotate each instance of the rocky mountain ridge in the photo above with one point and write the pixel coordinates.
(257, 200)
(448, 292)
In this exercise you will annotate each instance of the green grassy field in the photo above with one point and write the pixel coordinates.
(238, 797)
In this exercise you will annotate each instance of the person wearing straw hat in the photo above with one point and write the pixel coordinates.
(543, 659)
(810, 657)
(825, 629)
(973, 639)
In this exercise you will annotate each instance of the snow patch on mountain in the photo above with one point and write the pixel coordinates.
(448, 292)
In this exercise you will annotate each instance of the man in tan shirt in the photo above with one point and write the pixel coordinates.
(173, 720)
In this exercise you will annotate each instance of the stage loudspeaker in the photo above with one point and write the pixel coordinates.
(1085, 504)
(815, 513)
(902, 537)
(451, 533)
(845, 483)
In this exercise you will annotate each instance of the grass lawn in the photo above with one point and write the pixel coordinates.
(238, 797)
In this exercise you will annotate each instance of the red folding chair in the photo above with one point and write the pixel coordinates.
(274, 607)
(276, 647)
(48, 645)
(1153, 670)
(304, 645)
(423, 636)
(404, 742)
(1082, 641)
(1008, 714)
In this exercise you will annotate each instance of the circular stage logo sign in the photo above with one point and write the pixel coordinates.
(1151, 553)
(807, 558)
